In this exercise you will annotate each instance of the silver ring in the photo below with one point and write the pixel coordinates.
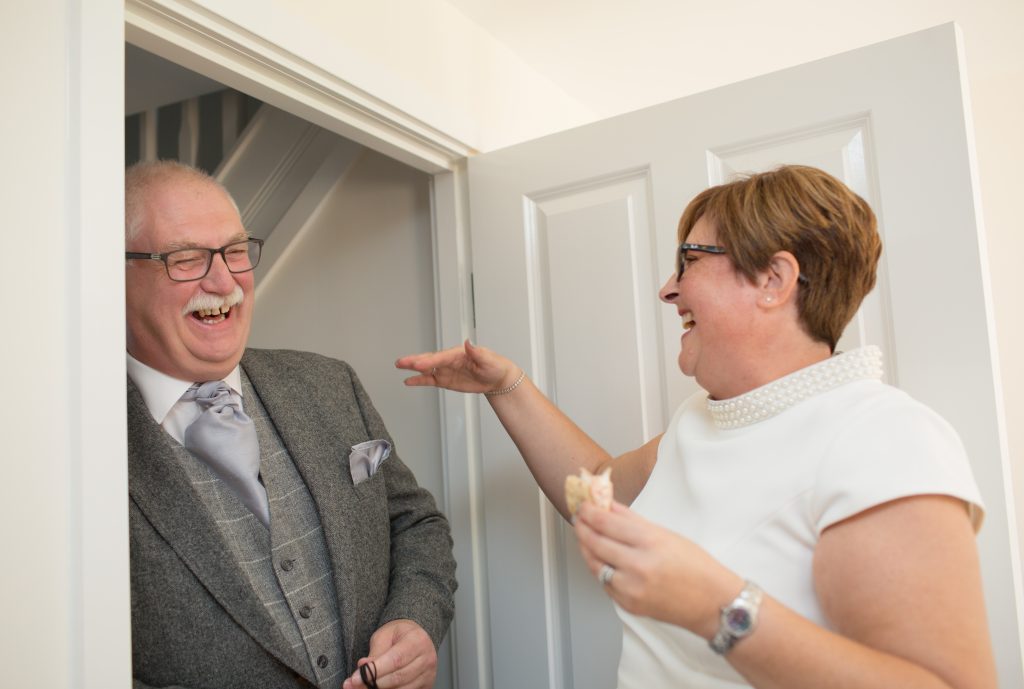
(433, 371)
(605, 574)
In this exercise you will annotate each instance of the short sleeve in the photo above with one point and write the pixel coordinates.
(892, 447)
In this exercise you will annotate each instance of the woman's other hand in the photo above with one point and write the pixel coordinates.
(658, 573)
(464, 368)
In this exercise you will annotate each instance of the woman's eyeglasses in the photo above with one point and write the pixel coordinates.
(686, 246)
(707, 249)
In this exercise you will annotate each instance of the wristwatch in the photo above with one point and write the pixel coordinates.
(738, 619)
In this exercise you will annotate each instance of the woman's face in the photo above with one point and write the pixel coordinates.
(717, 305)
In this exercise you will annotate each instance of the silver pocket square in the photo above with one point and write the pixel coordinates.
(366, 457)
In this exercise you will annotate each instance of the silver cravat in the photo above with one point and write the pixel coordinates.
(224, 438)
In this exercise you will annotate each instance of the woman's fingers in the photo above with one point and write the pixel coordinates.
(620, 524)
(597, 547)
(447, 368)
(425, 361)
(464, 368)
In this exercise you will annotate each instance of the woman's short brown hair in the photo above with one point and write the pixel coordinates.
(830, 230)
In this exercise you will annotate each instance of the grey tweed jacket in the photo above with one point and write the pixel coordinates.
(196, 622)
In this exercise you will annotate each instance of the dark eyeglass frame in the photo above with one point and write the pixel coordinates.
(209, 264)
(707, 249)
(686, 246)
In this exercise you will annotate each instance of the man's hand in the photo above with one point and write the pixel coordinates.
(403, 655)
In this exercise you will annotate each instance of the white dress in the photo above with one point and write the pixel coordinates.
(756, 479)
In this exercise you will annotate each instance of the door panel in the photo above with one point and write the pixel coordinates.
(593, 243)
(573, 233)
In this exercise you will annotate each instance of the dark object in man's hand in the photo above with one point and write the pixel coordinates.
(368, 673)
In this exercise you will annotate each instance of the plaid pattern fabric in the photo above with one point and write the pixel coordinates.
(288, 565)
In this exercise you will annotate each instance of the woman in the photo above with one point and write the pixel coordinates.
(800, 523)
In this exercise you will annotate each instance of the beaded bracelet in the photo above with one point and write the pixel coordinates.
(510, 388)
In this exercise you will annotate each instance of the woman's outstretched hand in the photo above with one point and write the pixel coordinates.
(464, 368)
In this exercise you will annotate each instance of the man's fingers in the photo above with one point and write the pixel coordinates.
(396, 671)
(403, 656)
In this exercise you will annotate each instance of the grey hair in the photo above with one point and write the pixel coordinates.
(141, 176)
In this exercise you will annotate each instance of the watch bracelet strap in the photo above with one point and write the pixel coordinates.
(723, 640)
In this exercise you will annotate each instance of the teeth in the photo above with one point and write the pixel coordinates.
(688, 321)
(216, 311)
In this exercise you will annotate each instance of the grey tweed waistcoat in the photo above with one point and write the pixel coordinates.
(287, 565)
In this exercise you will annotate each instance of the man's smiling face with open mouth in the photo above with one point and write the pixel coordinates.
(196, 330)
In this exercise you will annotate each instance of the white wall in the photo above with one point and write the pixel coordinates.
(422, 56)
(357, 284)
(997, 96)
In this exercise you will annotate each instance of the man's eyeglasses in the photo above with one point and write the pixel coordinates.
(707, 249)
(185, 265)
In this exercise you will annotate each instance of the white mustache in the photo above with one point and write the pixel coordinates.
(205, 300)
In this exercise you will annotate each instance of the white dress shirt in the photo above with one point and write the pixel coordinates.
(162, 395)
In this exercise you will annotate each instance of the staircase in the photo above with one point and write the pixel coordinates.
(278, 167)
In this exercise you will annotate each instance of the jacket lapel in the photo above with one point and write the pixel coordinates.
(319, 444)
(161, 490)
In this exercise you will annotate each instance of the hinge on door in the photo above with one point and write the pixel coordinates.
(472, 303)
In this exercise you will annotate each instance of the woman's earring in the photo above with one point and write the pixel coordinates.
(768, 300)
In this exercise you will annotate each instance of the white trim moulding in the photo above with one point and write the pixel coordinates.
(200, 40)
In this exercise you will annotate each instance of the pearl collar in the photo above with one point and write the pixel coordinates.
(779, 395)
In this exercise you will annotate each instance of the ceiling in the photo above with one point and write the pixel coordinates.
(613, 56)
(151, 81)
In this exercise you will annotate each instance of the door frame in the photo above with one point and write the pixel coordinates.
(216, 47)
(65, 510)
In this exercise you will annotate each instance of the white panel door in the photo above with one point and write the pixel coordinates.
(572, 234)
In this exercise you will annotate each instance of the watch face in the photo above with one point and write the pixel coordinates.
(739, 621)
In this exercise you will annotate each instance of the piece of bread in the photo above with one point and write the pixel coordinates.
(597, 488)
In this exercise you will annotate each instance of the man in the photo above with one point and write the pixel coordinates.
(275, 540)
